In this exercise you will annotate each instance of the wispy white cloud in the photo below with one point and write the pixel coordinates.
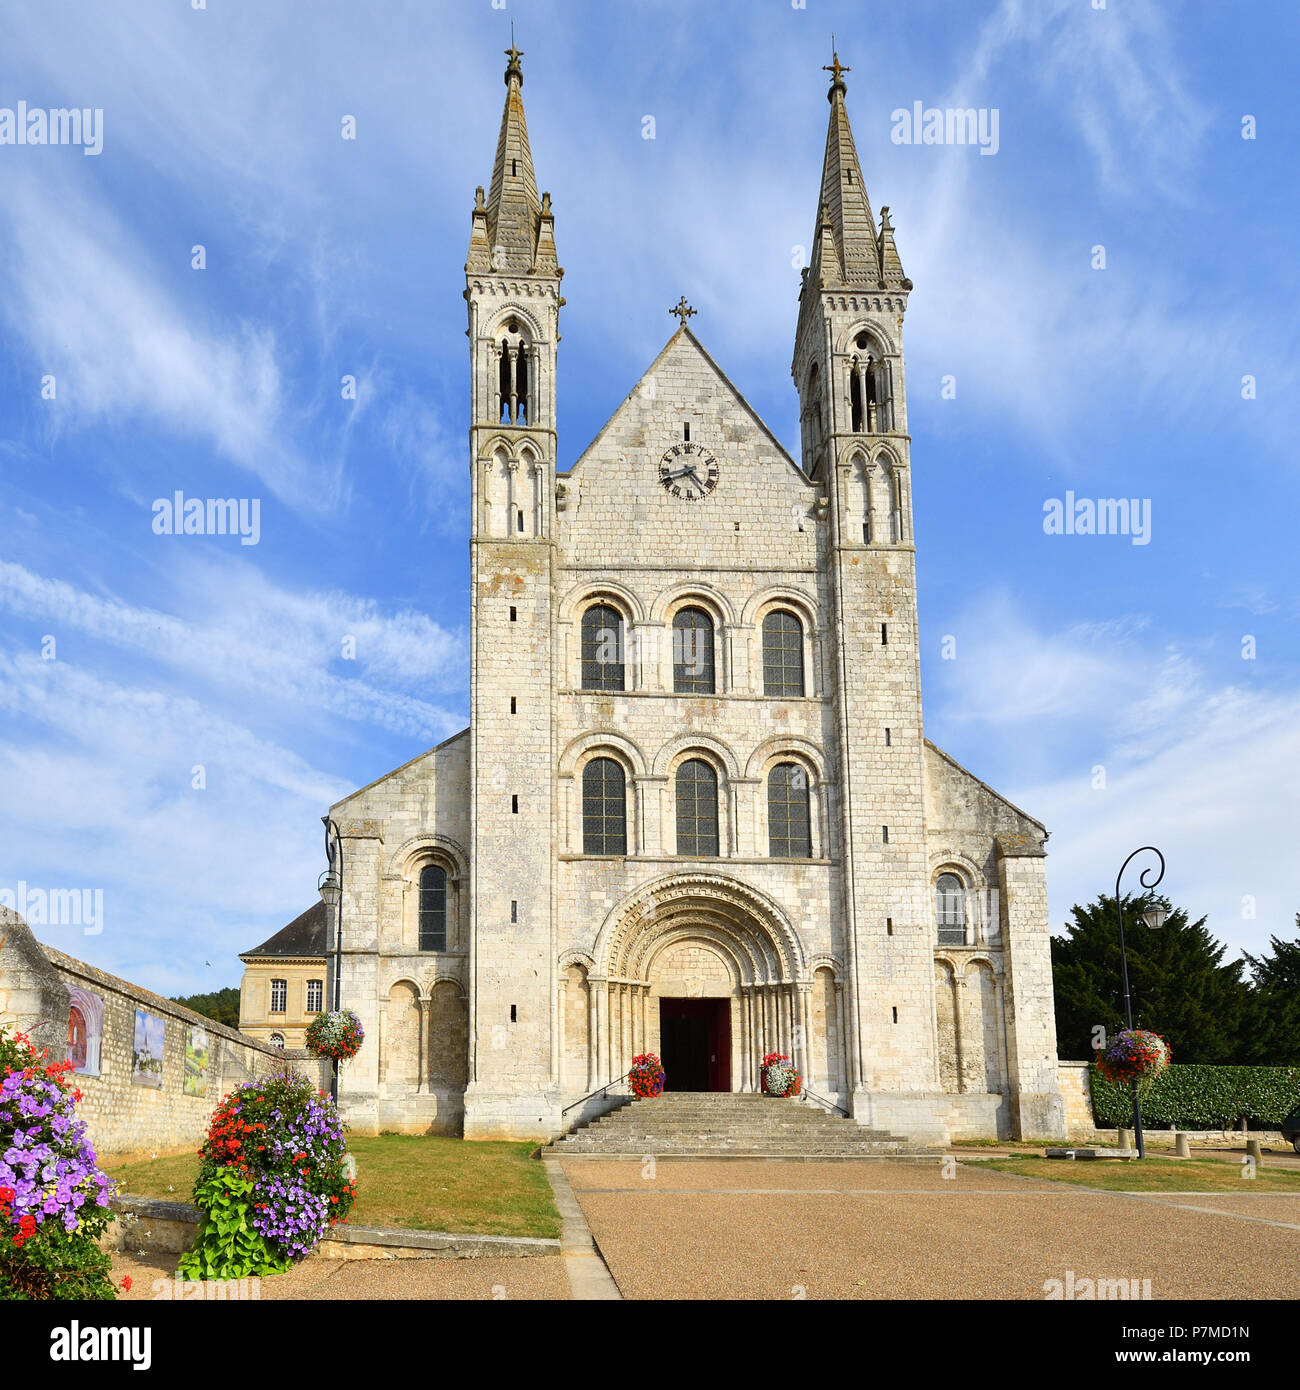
(242, 634)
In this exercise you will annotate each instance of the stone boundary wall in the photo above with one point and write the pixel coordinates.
(38, 984)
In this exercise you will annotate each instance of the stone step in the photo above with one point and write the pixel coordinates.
(750, 1125)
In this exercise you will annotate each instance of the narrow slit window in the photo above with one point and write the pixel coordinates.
(884, 834)
(889, 738)
(514, 710)
(884, 634)
(514, 909)
(514, 616)
(686, 432)
(889, 926)
(519, 520)
(514, 1013)
(514, 805)
(895, 1013)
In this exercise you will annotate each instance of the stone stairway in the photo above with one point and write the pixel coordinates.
(709, 1124)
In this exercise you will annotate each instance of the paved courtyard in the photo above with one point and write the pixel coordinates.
(888, 1229)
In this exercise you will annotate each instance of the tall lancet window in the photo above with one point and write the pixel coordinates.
(514, 380)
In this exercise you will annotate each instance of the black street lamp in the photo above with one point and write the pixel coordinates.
(331, 892)
(1154, 916)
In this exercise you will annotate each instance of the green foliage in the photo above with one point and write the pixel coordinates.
(227, 1246)
(1202, 1097)
(56, 1265)
(1180, 986)
(1276, 1038)
(221, 1006)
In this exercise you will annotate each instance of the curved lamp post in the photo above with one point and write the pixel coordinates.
(1154, 917)
(331, 892)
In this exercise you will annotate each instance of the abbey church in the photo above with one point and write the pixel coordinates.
(694, 811)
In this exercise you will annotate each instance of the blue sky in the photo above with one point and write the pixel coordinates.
(1119, 127)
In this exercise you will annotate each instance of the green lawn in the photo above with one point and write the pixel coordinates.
(421, 1182)
(1148, 1174)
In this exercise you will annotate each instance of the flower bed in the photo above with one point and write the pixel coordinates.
(53, 1196)
(778, 1076)
(272, 1180)
(337, 1035)
(647, 1075)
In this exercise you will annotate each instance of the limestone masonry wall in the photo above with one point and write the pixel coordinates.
(123, 1115)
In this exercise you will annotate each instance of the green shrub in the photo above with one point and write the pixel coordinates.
(1201, 1097)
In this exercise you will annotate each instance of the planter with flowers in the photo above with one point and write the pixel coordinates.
(337, 1035)
(274, 1177)
(779, 1077)
(1134, 1055)
(647, 1075)
(54, 1200)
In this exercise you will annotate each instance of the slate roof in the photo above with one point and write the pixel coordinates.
(304, 937)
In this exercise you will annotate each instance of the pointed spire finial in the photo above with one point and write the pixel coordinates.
(837, 71)
(683, 310)
(514, 54)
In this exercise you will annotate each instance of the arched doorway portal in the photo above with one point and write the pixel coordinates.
(707, 972)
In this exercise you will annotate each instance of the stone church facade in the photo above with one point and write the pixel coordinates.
(694, 811)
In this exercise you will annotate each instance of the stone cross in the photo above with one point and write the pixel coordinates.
(682, 309)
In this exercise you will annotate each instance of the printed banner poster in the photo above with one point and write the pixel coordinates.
(147, 1063)
(196, 1061)
(85, 1031)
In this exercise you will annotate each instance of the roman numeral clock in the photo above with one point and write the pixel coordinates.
(688, 471)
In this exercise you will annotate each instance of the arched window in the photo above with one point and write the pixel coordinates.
(277, 1039)
(604, 808)
(693, 652)
(812, 423)
(950, 910)
(782, 654)
(514, 388)
(433, 908)
(602, 648)
(789, 826)
(697, 810)
(77, 1038)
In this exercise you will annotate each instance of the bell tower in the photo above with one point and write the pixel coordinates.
(512, 289)
(848, 370)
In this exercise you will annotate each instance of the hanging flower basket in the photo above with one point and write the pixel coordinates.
(647, 1075)
(1134, 1055)
(778, 1075)
(336, 1035)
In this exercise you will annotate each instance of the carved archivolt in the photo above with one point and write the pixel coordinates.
(748, 928)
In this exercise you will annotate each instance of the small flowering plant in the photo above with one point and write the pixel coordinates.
(1134, 1055)
(337, 1035)
(54, 1200)
(647, 1076)
(275, 1177)
(779, 1077)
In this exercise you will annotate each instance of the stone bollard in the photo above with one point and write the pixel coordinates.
(1252, 1148)
(1182, 1149)
(1125, 1139)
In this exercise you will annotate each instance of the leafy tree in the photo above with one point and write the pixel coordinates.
(1277, 992)
(1180, 986)
(222, 1005)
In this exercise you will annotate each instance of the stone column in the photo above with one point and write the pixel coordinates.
(803, 1027)
(592, 1053)
(423, 1081)
(600, 1043)
(745, 1049)
(959, 1026)
(562, 1020)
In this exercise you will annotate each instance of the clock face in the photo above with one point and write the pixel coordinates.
(688, 471)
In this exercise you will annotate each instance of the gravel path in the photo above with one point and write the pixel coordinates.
(898, 1230)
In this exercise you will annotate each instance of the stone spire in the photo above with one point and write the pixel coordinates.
(845, 247)
(513, 230)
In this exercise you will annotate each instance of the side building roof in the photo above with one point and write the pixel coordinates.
(302, 939)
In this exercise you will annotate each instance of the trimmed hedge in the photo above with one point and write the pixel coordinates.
(1201, 1097)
